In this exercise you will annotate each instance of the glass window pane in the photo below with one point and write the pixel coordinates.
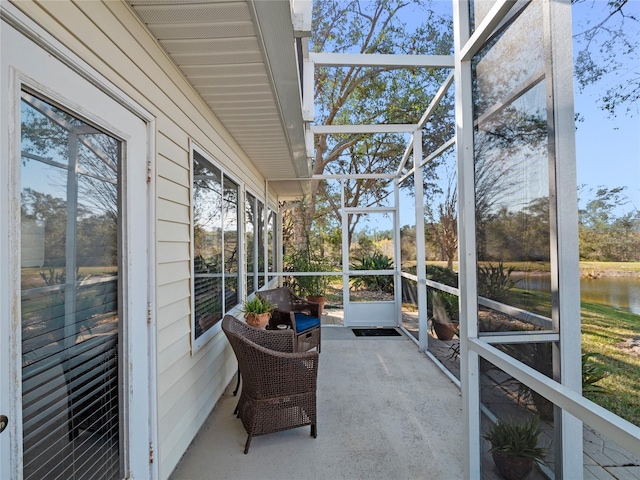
(230, 215)
(271, 239)
(260, 228)
(70, 210)
(207, 233)
(250, 242)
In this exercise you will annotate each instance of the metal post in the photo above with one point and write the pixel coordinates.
(421, 269)
(565, 268)
(469, 381)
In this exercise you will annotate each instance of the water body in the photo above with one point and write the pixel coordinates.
(617, 292)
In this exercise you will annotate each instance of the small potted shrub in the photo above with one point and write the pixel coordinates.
(257, 312)
(514, 447)
(444, 319)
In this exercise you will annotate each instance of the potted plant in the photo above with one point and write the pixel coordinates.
(316, 290)
(444, 314)
(257, 312)
(514, 447)
(312, 287)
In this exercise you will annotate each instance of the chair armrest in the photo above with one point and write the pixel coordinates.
(311, 307)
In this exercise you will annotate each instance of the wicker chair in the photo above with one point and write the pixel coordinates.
(301, 315)
(279, 384)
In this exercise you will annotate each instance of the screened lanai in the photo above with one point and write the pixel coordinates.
(419, 164)
(511, 160)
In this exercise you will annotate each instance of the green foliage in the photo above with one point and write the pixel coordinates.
(442, 275)
(446, 301)
(374, 94)
(257, 305)
(315, 285)
(607, 234)
(495, 282)
(516, 438)
(375, 261)
(592, 373)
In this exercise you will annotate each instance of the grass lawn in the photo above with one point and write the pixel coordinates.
(602, 329)
(586, 268)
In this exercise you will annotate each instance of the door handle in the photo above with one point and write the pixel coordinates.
(4, 421)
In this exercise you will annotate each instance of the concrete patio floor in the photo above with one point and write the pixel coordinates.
(384, 412)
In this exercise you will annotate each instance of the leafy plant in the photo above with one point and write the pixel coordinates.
(494, 282)
(257, 305)
(442, 275)
(592, 373)
(314, 285)
(518, 439)
(375, 261)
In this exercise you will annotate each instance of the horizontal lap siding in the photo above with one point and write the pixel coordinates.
(111, 39)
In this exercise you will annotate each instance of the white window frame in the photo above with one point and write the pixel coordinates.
(197, 343)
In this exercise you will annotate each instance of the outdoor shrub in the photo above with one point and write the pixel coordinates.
(447, 300)
(376, 261)
(494, 282)
(442, 275)
(316, 285)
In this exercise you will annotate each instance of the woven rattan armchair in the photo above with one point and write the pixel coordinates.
(301, 315)
(278, 384)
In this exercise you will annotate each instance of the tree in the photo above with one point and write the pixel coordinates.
(444, 228)
(608, 51)
(364, 95)
(607, 233)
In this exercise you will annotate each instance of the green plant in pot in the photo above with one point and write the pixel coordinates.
(444, 314)
(257, 312)
(313, 287)
(514, 447)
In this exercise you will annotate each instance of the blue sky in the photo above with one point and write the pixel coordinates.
(607, 149)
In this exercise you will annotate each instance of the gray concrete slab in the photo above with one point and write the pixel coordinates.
(384, 411)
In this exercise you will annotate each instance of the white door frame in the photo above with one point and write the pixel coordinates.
(53, 71)
(369, 313)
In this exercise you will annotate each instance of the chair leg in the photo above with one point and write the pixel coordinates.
(314, 430)
(235, 392)
(246, 445)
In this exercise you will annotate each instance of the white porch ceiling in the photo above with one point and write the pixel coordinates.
(240, 56)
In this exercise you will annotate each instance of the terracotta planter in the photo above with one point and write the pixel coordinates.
(512, 468)
(444, 331)
(320, 300)
(258, 320)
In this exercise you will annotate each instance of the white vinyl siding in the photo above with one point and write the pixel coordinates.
(111, 39)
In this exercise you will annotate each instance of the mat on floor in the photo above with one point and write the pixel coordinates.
(375, 332)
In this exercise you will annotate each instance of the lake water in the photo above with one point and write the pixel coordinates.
(618, 292)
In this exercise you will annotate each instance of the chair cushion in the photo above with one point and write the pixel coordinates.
(306, 322)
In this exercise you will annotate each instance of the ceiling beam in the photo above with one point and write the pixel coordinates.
(381, 60)
(382, 128)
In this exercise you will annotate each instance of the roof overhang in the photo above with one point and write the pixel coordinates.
(243, 58)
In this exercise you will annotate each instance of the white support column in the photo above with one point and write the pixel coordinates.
(397, 253)
(345, 257)
(469, 381)
(421, 270)
(308, 92)
(565, 267)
